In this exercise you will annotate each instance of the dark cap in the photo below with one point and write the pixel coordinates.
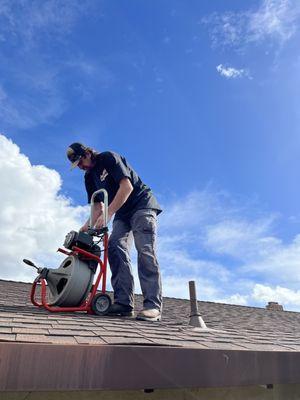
(75, 152)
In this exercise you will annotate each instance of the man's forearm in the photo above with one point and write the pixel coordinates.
(121, 196)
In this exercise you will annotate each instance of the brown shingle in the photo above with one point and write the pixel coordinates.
(4, 337)
(5, 330)
(30, 331)
(124, 340)
(89, 340)
(70, 332)
(32, 338)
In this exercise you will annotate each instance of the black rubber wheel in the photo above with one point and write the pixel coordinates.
(101, 303)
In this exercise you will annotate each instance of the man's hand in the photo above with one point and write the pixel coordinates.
(85, 227)
(100, 221)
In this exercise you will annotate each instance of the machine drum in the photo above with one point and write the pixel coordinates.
(69, 284)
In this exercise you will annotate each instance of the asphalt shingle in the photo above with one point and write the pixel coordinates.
(230, 327)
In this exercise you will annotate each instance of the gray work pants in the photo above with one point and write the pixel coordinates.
(141, 228)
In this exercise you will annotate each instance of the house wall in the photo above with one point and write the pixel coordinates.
(278, 392)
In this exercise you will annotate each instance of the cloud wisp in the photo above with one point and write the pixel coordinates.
(30, 22)
(231, 72)
(37, 84)
(275, 21)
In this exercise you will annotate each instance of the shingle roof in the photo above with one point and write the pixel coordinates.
(235, 332)
(230, 326)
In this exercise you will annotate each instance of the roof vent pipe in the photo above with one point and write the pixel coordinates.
(195, 317)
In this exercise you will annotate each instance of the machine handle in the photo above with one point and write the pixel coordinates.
(28, 262)
(105, 195)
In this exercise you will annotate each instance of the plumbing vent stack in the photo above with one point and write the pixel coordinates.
(195, 317)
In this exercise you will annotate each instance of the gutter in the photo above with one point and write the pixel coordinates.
(48, 367)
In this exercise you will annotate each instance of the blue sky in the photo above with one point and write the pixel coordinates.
(202, 99)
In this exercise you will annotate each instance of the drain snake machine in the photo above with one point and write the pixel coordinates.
(70, 287)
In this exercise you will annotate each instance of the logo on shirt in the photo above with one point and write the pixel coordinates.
(103, 175)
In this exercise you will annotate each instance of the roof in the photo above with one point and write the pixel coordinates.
(243, 345)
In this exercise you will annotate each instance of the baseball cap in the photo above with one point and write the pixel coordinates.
(75, 152)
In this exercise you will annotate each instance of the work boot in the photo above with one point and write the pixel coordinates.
(117, 309)
(149, 314)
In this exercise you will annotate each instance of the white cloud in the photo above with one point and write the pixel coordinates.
(284, 296)
(230, 72)
(226, 247)
(176, 259)
(178, 287)
(34, 217)
(279, 263)
(184, 253)
(241, 238)
(274, 20)
(235, 299)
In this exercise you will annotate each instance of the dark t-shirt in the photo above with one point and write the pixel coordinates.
(109, 170)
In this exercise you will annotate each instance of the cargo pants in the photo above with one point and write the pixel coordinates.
(142, 229)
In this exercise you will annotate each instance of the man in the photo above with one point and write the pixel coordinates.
(135, 209)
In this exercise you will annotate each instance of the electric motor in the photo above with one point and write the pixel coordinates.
(79, 239)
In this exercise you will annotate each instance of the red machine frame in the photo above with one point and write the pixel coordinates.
(86, 305)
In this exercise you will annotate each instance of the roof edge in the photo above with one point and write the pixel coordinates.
(40, 367)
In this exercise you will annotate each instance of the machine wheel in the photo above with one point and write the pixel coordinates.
(100, 304)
